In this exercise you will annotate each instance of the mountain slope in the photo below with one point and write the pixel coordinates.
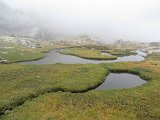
(17, 23)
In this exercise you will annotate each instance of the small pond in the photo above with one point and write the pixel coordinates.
(121, 80)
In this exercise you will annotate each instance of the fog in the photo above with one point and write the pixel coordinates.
(134, 20)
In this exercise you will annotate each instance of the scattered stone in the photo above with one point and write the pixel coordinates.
(3, 52)
(4, 61)
(8, 47)
(7, 112)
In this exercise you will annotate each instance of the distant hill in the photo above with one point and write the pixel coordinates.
(128, 44)
(77, 40)
(154, 44)
(19, 25)
(16, 23)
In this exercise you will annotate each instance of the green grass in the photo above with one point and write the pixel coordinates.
(19, 53)
(115, 51)
(117, 104)
(87, 54)
(25, 90)
(120, 52)
(98, 47)
(19, 83)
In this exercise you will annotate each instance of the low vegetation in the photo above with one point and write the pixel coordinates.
(98, 47)
(117, 104)
(154, 59)
(120, 52)
(87, 54)
(18, 55)
(113, 50)
(19, 83)
(59, 91)
(13, 52)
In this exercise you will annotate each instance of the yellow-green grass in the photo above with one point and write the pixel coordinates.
(113, 50)
(139, 103)
(120, 52)
(136, 103)
(87, 54)
(153, 57)
(98, 47)
(18, 55)
(19, 83)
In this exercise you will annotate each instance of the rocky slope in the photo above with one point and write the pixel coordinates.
(77, 40)
(16, 23)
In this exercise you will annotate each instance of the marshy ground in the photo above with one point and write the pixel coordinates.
(64, 91)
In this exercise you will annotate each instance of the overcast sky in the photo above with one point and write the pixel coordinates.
(136, 20)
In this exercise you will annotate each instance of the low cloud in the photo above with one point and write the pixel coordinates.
(135, 20)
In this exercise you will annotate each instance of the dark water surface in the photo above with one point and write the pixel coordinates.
(54, 56)
(122, 80)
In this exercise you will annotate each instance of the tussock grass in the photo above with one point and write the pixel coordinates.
(120, 52)
(19, 83)
(87, 54)
(128, 104)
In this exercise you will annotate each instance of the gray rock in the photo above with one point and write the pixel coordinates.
(4, 61)
(8, 112)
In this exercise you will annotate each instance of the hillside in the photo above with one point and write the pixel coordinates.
(17, 23)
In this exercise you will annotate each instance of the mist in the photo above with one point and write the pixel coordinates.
(109, 20)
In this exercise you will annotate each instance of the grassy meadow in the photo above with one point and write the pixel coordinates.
(116, 104)
(120, 52)
(64, 91)
(19, 83)
(87, 54)
(16, 53)
(113, 50)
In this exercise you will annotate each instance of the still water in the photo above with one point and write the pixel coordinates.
(122, 80)
(54, 56)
